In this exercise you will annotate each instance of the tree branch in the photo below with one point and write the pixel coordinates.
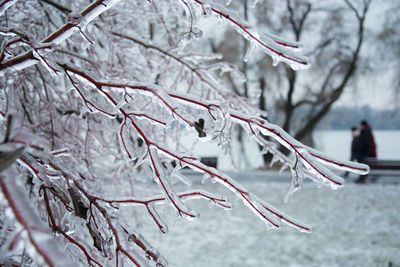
(86, 16)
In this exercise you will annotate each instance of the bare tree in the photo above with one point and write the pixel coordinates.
(335, 79)
(387, 46)
(334, 35)
(94, 102)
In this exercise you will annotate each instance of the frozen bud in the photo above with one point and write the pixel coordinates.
(197, 32)
(207, 10)
(74, 18)
(194, 34)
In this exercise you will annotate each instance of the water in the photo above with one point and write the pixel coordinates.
(338, 143)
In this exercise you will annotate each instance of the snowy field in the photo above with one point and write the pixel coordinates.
(358, 225)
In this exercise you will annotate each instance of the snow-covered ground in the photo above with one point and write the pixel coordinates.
(358, 225)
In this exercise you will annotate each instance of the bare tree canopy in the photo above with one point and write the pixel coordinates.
(333, 37)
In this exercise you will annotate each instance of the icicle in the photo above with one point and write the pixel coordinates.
(88, 39)
(84, 110)
(283, 167)
(181, 178)
(206, 177)
(295, 67)
(249, 51)
(190, 36)
(275, 61)
(253, 3)
(140, 160)
(273, 161)
(298, 178)
(119, 105)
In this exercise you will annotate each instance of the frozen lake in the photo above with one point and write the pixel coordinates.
(337, 143)
(334, 143)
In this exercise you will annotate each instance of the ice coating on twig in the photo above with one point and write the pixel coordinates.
(277, 48)
(166, 188)
(38, 234)
(5, 4)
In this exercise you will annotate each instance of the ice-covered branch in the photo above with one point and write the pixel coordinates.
(156, 200)
(307, 154)
(76, 22)
(133, 257)
(5, 4)
(310, 160)
(278, 48)
(155, 151)
(116, 115)
(58, 229)
(204, 76)
(38, 234)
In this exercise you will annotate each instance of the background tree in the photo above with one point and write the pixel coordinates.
(333, 36)
(387, 45)
(95, 101)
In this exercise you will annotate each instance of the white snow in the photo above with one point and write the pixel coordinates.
(354, 226)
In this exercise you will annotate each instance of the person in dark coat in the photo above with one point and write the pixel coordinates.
(355, 146)
(367, 146)
(365, 142)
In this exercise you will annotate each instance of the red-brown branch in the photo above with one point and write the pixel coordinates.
(105, 215)
(21, 219)
(250, 121)
(58, 34)
(56, 228)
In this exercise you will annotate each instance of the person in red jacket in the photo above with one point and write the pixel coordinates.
(372, 150)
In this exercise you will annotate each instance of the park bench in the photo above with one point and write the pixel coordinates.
(209, 161)
(381, 167)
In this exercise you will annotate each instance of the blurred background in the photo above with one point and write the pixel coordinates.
(355, 51)
(355, 75)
